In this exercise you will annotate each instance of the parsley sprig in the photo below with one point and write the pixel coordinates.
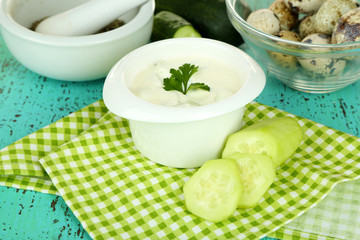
(179, 79)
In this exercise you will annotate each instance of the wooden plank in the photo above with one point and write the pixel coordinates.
(29, 102)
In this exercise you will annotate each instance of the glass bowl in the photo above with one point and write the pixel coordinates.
(263, 46)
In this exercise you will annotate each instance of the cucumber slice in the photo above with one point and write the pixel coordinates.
(275, 137)
(169, 25)
(186, 31)
(213, 192)
(257, 173)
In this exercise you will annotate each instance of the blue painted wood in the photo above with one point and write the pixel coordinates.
(29, 102)
(31, 215)
(339, 110)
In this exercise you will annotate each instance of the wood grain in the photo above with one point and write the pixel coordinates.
(29, 102)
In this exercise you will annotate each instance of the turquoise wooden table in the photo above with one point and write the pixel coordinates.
(29, 102)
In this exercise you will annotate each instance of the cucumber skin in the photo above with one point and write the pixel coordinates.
(209, 17)
(167, 24)
(284, 131)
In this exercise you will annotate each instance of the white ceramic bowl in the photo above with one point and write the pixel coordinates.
(70, 58)
(181, 137)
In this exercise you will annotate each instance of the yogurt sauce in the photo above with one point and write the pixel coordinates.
(222, 80)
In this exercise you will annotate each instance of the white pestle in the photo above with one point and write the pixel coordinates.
(87, 18)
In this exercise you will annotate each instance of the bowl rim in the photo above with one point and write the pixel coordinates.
(144, 15)
(115, 90)
(300, 45)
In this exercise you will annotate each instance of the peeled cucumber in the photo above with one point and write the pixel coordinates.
(275, 137)
(169, 25)
(257, 173)
(246, 171)
(213, 192)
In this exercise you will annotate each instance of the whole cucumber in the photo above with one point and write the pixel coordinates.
(209, 17)
(170, 25)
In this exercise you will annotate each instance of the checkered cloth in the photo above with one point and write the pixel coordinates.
(90, 160)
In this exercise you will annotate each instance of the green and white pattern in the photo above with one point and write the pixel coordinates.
(89, 159)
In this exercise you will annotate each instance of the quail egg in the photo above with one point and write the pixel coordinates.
(286, 61)
(330, 12)
(264, 20)
(307, 26)
(347, 28)
(288, 19)
(304, 6)
(321, 66)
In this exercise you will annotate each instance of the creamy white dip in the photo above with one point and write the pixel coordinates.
(222, 80)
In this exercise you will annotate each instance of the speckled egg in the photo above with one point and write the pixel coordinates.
(264, 20)
(321, 66)
(287, 62)
(307, 26)
(330, 12)
(347, 28)
(288, 19)
(289, 35)
(304, 6)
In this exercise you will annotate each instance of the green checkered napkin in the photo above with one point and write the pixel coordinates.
(338, 215)
(89, 159)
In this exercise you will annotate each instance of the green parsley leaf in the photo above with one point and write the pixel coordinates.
(178, 81)
(199, 86)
